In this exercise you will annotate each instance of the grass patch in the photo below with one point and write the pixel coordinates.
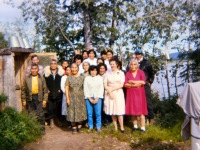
(155, 137)
(17, 129)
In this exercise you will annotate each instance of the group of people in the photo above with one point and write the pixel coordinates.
(90, 89)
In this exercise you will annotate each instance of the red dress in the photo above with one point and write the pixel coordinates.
(135, 99)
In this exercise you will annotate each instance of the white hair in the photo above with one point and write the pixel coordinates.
(134, 61)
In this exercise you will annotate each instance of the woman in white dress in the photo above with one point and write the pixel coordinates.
(114, 102)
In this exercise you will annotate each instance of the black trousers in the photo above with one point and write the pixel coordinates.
(34, 107)
(149, 101)
(54, 107)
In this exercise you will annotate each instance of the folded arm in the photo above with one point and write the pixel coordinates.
(134, 84)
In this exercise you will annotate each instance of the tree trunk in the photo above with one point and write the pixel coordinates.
(176, 87)
(114, 23)
(87, 29)
(167, 78)
(121, 54)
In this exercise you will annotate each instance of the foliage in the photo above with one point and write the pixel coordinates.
(165, 111)
(189, 21)
(17, 128)
(156, 61)
(3, 98)
(66, 25)
(3, 42)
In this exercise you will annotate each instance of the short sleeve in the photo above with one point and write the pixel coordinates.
(67, 81)
(122, 77)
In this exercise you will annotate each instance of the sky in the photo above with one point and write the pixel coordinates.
(10, 15)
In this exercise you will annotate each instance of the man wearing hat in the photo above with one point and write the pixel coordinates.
(146, 66)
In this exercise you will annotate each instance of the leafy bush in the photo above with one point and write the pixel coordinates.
(17, 128)
(3, 98)
(168, 113)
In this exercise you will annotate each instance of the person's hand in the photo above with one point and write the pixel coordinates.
(130, 81)
(112, 96)
(138, 85)
(91, 100)
(68, 102)
(109, 90)
(24, 103)
(44, 104)
(95, 101)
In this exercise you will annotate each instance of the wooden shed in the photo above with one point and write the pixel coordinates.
(13, 64)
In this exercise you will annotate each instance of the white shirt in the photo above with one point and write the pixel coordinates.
(80, 68)
(93, 87)
(62, 83)
(107, 65)
(91, 61)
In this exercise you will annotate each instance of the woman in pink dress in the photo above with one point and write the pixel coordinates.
(114, 103)
(136, 104)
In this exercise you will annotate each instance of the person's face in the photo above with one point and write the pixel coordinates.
(113, 65)
(78, 61)
(53, 65)
(68, 71)
(77, 52)
(74, 69)
(99, 61)
(104, 57)
(64, 64)
(35, 60)
(138, 56)
(133, 56)
(93, 72)
(91, 55)
(86, 67)
(102, 70)
(133, 66)
(34, 70)
(85, 55)
(109, 55)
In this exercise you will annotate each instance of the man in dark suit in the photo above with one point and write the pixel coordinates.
(146, 66)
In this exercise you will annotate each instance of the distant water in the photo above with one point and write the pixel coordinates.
(160, 83)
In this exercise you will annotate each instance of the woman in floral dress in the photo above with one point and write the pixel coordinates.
(76, 111)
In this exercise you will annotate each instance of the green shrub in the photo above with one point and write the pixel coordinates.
(167, 112)
(3, 98)
(17, 128)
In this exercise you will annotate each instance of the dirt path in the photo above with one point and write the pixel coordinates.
(63, 139)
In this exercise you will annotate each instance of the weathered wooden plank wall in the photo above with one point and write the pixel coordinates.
(20, 69)
(8, 81)
(1, 74)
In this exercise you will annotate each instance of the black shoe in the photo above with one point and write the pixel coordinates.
(142, 131)
(122, 131)
(134, 129)
(79, 130)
